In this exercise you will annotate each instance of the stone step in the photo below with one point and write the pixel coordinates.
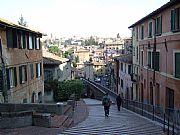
(68, 123)
(58, 120)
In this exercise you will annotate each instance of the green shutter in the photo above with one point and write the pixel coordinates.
(36, 70)
(172, 20)
(15, 77)
(9, 36)
(161, 24)
(35, 42)
(155, 60)
(40, 68)
(20, 74)
(15, 38)
(8, 79)
(32, 71)
(177, 65)
(24, 40)
(25, 72)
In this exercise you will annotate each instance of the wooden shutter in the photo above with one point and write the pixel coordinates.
(33, 41)
(20, 74)
(177, 65)
(15, 77)
(172, 20)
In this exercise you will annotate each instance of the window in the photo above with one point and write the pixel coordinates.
(150, 30)
(32, 71)
(121, 83)
(11, 35)
(31, 41)
(175, 19)
(142, 58)
(137, 34)
(20, 40)
(158, 25)
(23, 74)
(153, 60)
(142, 32)
(137, 53)
(37, 43)
(177, 65)
(38, 70)
(149, 59)
(121, 66)
(11, 77)
(129, 69)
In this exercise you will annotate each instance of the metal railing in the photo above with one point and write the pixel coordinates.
(170, 118)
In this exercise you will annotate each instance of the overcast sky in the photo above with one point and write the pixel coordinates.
(79, 17)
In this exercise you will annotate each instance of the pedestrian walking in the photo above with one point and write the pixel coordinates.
(119, 101)
(106, 102)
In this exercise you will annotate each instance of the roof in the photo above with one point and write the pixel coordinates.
(126, 58)
(7, 23)
(55, 57)
(50, 61)
(157, 11)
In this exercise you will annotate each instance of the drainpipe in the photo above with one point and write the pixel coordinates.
(154, 51)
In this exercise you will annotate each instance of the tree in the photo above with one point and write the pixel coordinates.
(54, 50)
(22, 21)
(118, 36)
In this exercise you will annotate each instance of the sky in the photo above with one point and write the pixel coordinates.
(67, 18)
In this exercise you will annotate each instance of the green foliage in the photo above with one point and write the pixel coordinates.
(22, 21)
(68, 53)
(91, 41)
(54, 50)
(63, 90)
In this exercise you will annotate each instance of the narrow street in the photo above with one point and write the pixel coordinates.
(118, 123)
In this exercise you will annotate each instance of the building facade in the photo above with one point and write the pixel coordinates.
(21, 64)
(156, 42)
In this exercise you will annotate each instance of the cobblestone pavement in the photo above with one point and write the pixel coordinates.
(118, 123)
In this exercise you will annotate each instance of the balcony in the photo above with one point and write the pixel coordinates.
(134, 78)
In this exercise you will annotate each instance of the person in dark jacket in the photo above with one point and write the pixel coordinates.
(106, 102)
(119, 101)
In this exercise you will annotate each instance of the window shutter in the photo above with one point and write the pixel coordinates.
(37, 70)
(161, 24)
(39, 43)
(27, 39)
(25, 68)
(20, 74)
(40, 68)
(172, 20)
(15, 77)
(24, 40)
(8, 79)
(32, 71)
(15, 38)
(155, 61)
(9, 36)
(33, 41)
(177, 65)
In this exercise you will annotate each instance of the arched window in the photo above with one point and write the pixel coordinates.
(33, 100)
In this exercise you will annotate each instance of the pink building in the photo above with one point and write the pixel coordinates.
(156, 38)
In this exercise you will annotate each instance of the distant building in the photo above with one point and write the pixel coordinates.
(21, 64)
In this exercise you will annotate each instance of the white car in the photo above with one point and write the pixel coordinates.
(97, 79)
